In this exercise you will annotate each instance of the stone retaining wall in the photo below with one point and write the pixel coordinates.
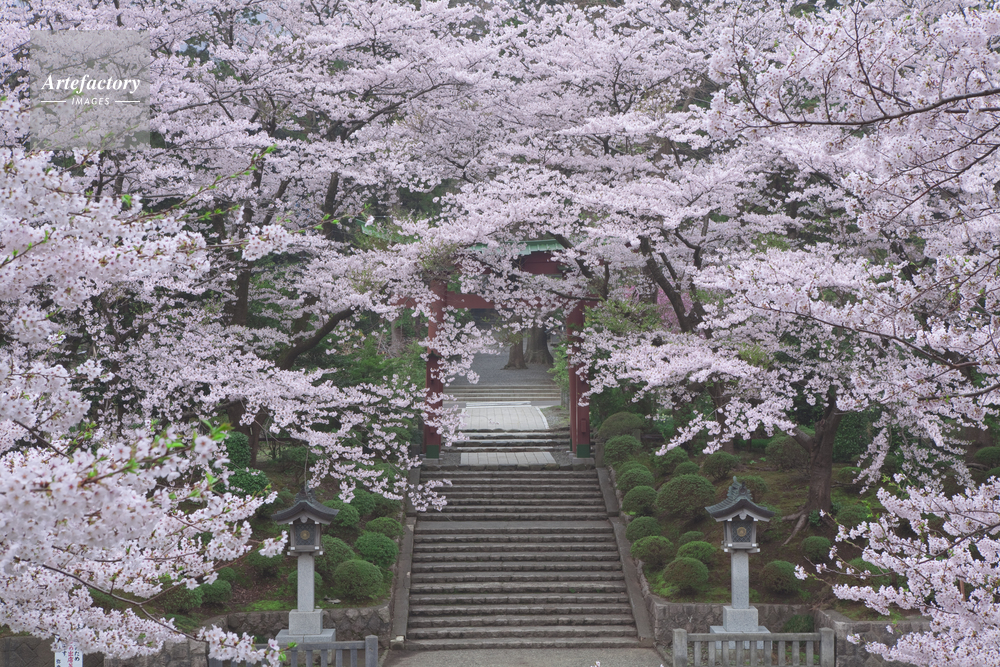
(351, 624)
(697, 617)
(854, 655)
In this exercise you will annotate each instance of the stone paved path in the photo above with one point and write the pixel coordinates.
(504, 417)
(507, 459)
(631, 657)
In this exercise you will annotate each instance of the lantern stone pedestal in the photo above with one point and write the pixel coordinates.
(305, 624)
(739, 515)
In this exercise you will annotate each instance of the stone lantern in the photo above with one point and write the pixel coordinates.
(305, 624)
(739, 515)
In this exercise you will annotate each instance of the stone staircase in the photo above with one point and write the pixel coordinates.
(548, 391)
(518, 559)
(514, 441)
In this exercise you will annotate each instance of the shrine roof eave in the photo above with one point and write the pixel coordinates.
(727, 509)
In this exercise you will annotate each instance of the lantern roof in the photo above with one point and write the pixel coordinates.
(306, 507)
(738, 502)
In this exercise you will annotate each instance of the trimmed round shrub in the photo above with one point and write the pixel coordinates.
(626, 466)
(265, 566)
(799, 623)
(621, 423)
(363, 501)
(691, 536)
(786, 454)
(639, 500)
(876, 578)
(238, 450)
(227, 574)
(698, 550)
(335, 552)
(385, 525)
(685, 496)
(283, 500)
(988, 456)
(385, 507)
(852, 514)
(778, 576)
(248, 482)
(757, 487)
(665, 464)
(995, 472)
(816, 548)
(653, 551)
(217, 592)
(182, 599)
(642, 527)
(633, 478)
(357, 580)
(848, 476)
(688, 574)
(347, 518)
(377, 548)
(719, 464)
(686, 468)
(620, 448)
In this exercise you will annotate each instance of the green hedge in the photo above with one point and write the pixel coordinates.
(685, 496)
(687, 468)
(691, 536)
(238, 450)
(377, 548)
(688, 574)
(640, 500)
(787, 454)
(357, 581)
(703, 551)
(778, 576)
(620, 448)
(335, 552)
(621, 423)
(385, 525)
(816, 548)
(718, 465)
(665, 464)
(642, 527)
(633, 478)
(653, 551)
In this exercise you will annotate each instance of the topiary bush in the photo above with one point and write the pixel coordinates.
(621, 423)
(227, 574)
(385, 525)
(347, 518)
(653, 551)
(688, 574)
(691, 536)
(238, 450)
(385, 507)
(182, 599)
(217, 592)
(363, 501)
(620, 448)
(335, 552)
(816, 548)
(634, 477)
(685, 496)
(719, 464)
(988, 456)
(642, 527)
(995, 472)
(357, 581)
(248, 482)
(626, 466)
(665, 464)
(377, 548)
(848, 476)
(799, 623)
(876, 577)
(852, 514)
(686, 468)
(639, 501)
(757, 487)
(703, 551)
(786, 454)
(265, 566)
(778, 576)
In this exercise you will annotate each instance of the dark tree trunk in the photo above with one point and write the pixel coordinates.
(515, 358)
(719, 399)
(538, 347)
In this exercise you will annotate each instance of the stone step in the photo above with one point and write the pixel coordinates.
(488, 555)
(482, 588)
(488, 449)
(528, 610)
(540, 576)
(497, 632)
(437, 517)
(612, 600)
(538, 541)
(462, 493)
(482, 619)
(500, 530)
(517, 435)
(502, 643)
(463, 567)
(482, 549)
(521, 505)
(519, 477)
(513, 442)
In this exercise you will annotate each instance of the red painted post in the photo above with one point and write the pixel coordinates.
(433, 384)
(579, 415)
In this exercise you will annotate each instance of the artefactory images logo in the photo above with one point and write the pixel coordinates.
(89, 89)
